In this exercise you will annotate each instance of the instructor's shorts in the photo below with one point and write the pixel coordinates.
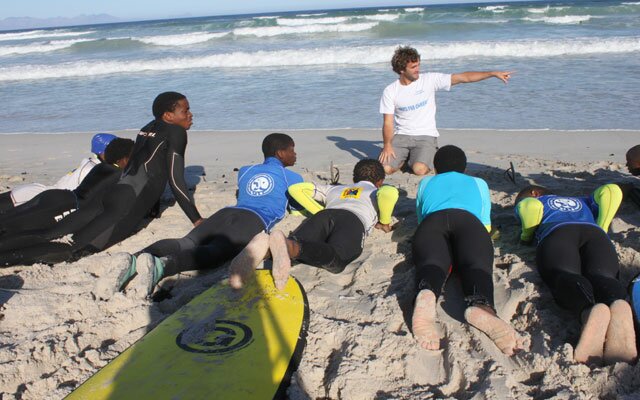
(413, 149)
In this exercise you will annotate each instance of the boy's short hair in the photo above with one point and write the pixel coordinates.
(449, 158)
(403, 56)
(274, 142)
(368, 170)
(166, 102)
(633, 154)
(117, 149)
(528, 192)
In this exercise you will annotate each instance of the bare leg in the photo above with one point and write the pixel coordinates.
(620, 342)
(590, 348)
(502, 334)
(419, 168)
(248, 259)
(281, 259)
(425, 329)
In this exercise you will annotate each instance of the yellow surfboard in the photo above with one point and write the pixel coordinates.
(224, 344)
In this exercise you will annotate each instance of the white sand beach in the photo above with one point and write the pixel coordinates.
(54, 333)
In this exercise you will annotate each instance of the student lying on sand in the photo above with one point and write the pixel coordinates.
(157, 158)
(23, 193)
(453, 235)
(262, 202)
(49, 207)
(630, 190)
(578, 262)
(333, 236)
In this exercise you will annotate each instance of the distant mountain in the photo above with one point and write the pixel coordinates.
(14, 23)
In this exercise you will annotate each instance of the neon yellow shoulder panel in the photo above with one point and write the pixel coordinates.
(303, 193)
(387, 197)
(609, 198)
(530, 211)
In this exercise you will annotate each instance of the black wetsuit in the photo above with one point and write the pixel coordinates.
(51, 206)
(157, 158)
(580, 265)
(454, 237)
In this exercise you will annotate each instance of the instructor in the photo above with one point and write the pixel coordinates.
(408, 105)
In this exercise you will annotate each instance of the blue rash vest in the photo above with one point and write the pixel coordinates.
(263, 188)
(454, 190)
(558, 211)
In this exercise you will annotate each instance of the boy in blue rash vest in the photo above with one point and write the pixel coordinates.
(578, 262)
(49, 207)
(453, 234)
(23, 193)
(157, 159)
(262, 202)
(334, 235)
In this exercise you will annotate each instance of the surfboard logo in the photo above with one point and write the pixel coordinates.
(566, 204)
(260, 185)
(225, 337)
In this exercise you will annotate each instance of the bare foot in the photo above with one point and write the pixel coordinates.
(620, 342)
(502, 334)
(247, 260)
(425, 329)
(590, 347)
(281, 259)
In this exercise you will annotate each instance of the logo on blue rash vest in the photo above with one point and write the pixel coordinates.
(260, 185)
(226, 337)
(564, 204)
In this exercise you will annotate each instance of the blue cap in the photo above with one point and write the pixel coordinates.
(100, 141)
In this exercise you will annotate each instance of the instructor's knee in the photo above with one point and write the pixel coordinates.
(420, 168)
(388, 169)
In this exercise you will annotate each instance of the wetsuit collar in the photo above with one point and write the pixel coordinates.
(273, 161)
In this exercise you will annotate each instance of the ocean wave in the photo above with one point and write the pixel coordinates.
(362, 55)
(310, 15)
(40, 34)
(270, 31)
(310, 21)
(182, 39)
(41, 47)
(381, 17)
(498, 9)
(632, 3)
(414, 9)
(565, 20)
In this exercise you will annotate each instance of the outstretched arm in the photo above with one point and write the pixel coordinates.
(476, 76)
(304, 193)
(387, 197)
(175, 166)
(608, 197)
(530, 212)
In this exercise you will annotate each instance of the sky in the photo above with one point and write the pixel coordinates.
(151, 9)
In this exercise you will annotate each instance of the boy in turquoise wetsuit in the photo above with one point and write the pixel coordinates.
(334, 235)
(578, 262)
(453, 235)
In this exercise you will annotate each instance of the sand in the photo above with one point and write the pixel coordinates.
(54, 333)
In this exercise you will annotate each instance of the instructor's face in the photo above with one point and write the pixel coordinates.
(412, 71)
(181, 115)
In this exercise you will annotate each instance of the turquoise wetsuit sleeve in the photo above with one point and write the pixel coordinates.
(485, 195)
(303, 193)
(420, 198)
(608, 197)
(387, 197)
(530, 211)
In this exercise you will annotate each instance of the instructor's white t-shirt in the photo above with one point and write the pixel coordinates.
(414, 106)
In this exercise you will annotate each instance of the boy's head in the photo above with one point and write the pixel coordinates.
(173, 108)
(403, 56)
(99, 143)
(118, 152)
(280, 146)
(449, 158)
(532, 191)
(369, 170)
(633, 160)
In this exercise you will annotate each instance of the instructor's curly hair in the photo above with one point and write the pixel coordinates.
(402, 57)
(368, 170)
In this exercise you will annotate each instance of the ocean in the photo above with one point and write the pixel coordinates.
(577, 67)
